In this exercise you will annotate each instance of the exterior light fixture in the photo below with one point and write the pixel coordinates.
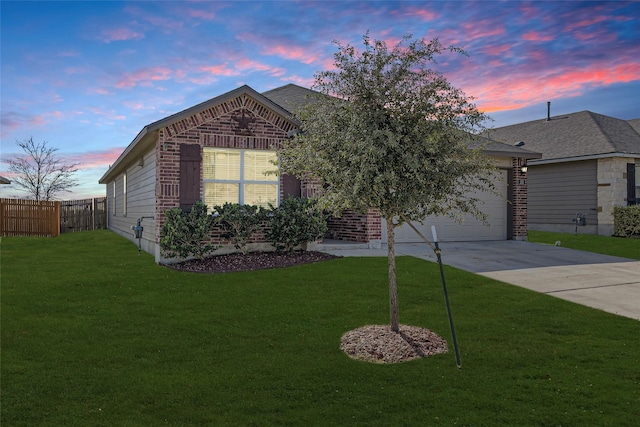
(522, 165)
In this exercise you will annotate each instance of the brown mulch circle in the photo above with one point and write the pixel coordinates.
(252, 261)
(378, 344)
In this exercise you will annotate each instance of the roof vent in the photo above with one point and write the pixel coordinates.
(548, 111)
(519, 144)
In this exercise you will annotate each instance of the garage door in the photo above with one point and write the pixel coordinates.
(494, 206)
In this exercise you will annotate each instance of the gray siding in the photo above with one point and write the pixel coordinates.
(558, 191)
(140, 200)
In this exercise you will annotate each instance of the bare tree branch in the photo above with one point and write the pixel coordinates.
(39, 172)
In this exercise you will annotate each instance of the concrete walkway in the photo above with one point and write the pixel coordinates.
(604, 282)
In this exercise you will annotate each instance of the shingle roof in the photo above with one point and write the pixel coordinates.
(290, 96)
(635, 123)
(573, 135)
(4, 180)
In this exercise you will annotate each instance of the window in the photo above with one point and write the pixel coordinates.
(239, 176)
(114, 198)
(124, 194)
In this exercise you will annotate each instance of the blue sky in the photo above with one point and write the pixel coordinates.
(87, 76)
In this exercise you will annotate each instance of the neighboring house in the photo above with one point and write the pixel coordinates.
(218, 150)
(4, 180)
(588, 167)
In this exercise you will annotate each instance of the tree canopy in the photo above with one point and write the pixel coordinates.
(387, 132)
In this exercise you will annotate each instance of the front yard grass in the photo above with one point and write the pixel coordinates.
(616, 246)
(93, 334)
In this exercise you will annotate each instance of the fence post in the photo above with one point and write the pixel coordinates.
(57, 219)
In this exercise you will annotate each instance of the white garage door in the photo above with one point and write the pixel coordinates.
(494, 206)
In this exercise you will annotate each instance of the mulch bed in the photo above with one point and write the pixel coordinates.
(252, 261)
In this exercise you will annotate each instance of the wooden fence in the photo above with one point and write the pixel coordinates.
(48, 219)
(29, 218)
(83, 215)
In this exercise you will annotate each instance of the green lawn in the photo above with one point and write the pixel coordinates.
(617, 246)
(95, 335)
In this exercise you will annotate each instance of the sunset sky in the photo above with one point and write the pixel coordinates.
(87, 76)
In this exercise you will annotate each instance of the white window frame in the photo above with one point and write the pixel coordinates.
(124, 194)
(241, 181)
(113, 209)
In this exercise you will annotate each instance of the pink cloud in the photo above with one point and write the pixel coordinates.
(38, 120)
(220, 70)
(250, 65)
(424, 14)
(96, 159)
(144, 76)
(499, 50)
(10, 121)
(536, 37)
(572, 25)
(483, 28)
(13, 121)
(518, 89)
(120, 34)
(292, 52)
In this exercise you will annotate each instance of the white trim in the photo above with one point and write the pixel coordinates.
(580, 158)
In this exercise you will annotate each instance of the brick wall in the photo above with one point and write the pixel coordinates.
(519, 200)
(355, 227)
(217, 126)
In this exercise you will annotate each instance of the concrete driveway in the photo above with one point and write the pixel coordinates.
(604, 282)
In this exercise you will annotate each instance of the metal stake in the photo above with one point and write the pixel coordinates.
(446, 296)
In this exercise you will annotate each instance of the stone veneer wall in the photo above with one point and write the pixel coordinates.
(612, 190)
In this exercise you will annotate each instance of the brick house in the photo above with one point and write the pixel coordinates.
(588, 166)
(218, 150)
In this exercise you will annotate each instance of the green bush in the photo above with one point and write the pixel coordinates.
(240, 222)
(187, 234)
(295, 222)
(626, 221)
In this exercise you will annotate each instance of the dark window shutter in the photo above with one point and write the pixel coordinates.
(190, 160)
(631, 184)
(290, 186)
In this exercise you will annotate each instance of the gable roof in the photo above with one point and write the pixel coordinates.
(573, 136)
(4, 180)
(147, 137)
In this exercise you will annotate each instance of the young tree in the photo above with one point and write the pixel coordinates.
(39, 172)
(387, 132)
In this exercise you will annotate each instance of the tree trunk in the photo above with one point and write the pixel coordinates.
(393, 286)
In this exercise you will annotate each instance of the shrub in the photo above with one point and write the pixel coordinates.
(187, 234)
(626, 221)
(241, 222)
(296, 221)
